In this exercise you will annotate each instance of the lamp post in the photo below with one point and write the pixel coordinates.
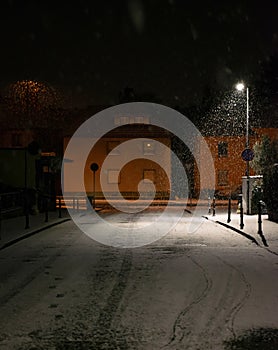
(94, 167)
(240, 87)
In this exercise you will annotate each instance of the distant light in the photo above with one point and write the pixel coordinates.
(48, 154)
(240, 86)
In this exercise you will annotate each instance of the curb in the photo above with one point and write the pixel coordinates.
(246, 235)
(29, 234)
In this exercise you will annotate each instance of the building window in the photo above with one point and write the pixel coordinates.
(149, 174)
(111, 145)
(113, 176)
(223, 178)
(16, 140)
(148, 147)
(46, 169)
(140, 120)
(122, 120)
(223, 149)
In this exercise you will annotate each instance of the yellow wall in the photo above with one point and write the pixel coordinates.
(131, 174)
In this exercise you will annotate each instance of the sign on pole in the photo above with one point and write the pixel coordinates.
(247, 154)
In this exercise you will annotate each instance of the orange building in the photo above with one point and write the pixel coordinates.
(272, 133)
(152, 143)
(228, 163)
(229, 167)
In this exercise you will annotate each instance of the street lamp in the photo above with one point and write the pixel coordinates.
(248, 154)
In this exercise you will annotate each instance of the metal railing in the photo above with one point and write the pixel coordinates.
(78, 203)
(11, 202)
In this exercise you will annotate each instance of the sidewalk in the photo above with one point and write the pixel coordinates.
(13, 229)
(250, 229)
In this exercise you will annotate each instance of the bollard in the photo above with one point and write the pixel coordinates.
(26, 209)
(73, 203)
(0, 216)
(209, 205)
(46, 209)
(213, 206)
(241, 212)
(60, 207)
(77, 204)
(229, 210)
(260, 231)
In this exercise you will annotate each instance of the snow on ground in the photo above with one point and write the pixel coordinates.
(62, 290)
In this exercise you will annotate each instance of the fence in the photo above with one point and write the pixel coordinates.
(11, 202)
(14, 204)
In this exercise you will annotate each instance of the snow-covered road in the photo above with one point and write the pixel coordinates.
(62, 290)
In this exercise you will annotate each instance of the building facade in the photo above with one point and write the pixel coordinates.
(150, 144)
(228, 163)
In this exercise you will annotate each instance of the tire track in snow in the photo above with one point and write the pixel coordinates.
(235, 309)
(221, 317)
(105, 332)
(178, 328)
(107, 314)
(271, 251)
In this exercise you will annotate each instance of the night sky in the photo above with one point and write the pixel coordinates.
(172, 50)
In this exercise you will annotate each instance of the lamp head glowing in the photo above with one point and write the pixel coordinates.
(240, 86)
